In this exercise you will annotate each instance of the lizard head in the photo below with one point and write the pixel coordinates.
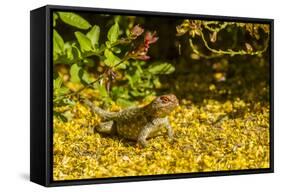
(163, 105)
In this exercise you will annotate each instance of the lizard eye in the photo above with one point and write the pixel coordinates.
(164, 99)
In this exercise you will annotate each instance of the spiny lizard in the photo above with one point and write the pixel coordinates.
(138, 123)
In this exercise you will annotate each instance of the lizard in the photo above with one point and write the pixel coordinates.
(137, 123)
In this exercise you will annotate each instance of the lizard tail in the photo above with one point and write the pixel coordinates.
(105, 115)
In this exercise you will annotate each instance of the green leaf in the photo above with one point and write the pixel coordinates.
(113, 33)
(108, 44)
(161, 68)
(85, 77)
(57, 82)
(58, 88)
(156, 82)
(55, 57)
(122, 65)
(137, 93)
(74, 20)
(83, 41)
(62, 91)
(74, 73)
(139, 63)
(94, 35)
(124, 102)
(119, 91)
(102, 91)
(68, 50)
(58, 43)
(133, 80)
(55, 17)
(116, 50)
(103, 94)
(102, 47)
(78, 75)
(60, 116)
(111, 59)
(76, 51)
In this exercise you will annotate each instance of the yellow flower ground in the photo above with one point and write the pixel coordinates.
(213, 136)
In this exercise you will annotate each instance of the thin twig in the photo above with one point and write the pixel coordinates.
(92, 83)
(221, 27)
(231, 52)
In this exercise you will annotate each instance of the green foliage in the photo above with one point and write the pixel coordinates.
(113, 33)
(55, 17)
(140, 81)
(104, 96)
(161, 68)
(84, 42)
(58, 44)
(94, 35)
(74, 20)
(115, 55)
(59, 89)
(111, 59)
(69, 51)
(78, 75)
(75, 73)
(121, 96)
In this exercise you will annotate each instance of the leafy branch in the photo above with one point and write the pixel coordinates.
(195, 28)
(229, 51)
(90, 84)
(217, 29)
(125, 56)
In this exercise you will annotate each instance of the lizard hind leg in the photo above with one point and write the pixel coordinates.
(106, 127)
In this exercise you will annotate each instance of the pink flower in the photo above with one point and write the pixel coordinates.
(136, 31)
(142, 50)
(150, 38)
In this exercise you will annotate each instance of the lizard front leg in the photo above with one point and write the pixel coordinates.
(169, 128)
(106, 127)
(153, 127)
(163, 122)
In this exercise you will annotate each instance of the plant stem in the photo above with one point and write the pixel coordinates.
(232, 52)
(221, 26)
(92, 83)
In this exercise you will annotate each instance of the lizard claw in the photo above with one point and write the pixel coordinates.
(171, 134)
(142, 143)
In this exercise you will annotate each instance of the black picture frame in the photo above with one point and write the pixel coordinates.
(41, 96)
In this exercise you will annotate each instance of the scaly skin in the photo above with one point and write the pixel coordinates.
(138, 123)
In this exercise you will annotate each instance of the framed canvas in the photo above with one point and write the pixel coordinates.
(125, 95)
